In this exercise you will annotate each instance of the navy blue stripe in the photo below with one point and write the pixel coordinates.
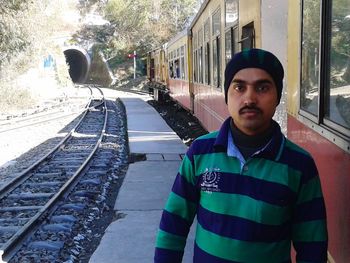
(167, 256)
(269, 192)
(203, 146)
(174, 224)
(242, 229)
(300, 162)
(311, 251)
(312, 210)
(185, 189)
(200, 256)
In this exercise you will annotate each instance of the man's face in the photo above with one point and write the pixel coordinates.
(252, 99)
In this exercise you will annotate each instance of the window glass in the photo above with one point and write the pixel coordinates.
(231, 8)
(195, 66)
(177, 69)
(338, 95)
(207, 63)
(200, 65)
(310, 63)
(215, 63)
(182, 67)
(218, 44)
(216, 22)
(228, 45)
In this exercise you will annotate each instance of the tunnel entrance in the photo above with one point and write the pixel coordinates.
(79, 63)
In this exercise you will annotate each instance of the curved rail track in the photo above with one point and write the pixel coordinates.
(26, 200)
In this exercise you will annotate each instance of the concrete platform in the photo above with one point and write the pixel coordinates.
(147, 184)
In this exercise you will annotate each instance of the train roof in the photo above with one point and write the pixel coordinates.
(181, 34)
(199, 13)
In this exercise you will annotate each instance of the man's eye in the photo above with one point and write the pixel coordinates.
(238, 87)
(263, 88)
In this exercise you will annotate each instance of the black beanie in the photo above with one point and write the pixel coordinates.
(255, 58)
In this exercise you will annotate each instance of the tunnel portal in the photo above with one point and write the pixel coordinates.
(79, 63)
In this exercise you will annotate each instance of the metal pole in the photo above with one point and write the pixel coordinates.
(134, 64)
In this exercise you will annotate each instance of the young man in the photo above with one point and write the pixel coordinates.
(253, 191)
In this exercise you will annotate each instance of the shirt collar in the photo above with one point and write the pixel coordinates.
(224, 142)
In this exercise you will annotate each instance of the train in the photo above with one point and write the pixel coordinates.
(311, 39)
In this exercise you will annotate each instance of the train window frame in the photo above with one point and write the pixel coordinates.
(248, 36)
(217, 62)
(216, 50)
(194, 56)
(207, 53)
(200, 55)
(233, 44)
(320, 122)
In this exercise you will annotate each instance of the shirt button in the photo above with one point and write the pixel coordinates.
(245, 168)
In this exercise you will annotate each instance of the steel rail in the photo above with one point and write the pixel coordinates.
(10, 185)
(9, 248)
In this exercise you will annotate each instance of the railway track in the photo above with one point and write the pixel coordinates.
(63, 110)
(34, 194)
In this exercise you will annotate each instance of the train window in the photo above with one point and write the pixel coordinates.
(216, 22)
(337, 95)
(248, 36)
(200, 65)
(182, 60)
(310, 57)
(228, 45)
(194, 47)
(200, 56)
(231, 37)
(177, 68)
(195, 66)
(216, 62)
(325, 64)
(207, 63)
(231, 11)
(207, 52)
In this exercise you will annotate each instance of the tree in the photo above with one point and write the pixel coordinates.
(143, 25)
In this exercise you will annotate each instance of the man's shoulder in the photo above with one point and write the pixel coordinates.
(292, 146)
(204, 143)
(210, 135)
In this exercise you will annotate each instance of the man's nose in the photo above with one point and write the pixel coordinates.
(250, 96)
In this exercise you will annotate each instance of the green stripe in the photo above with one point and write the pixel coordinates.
(242, 251)
(310, 190)
(181, 207)
(274, 172)
(244, 207)
(186, 171)
(261, 169)
(170, 241)
(312, 231)
(210, 135)
(216, 160)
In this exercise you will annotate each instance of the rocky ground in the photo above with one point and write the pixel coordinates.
(186, 126)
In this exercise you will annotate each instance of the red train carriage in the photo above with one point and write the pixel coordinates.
(178, 63)
(318, 81)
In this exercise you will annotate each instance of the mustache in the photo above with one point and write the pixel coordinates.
(250, 108)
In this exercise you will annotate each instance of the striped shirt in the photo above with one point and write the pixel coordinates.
(247, 210)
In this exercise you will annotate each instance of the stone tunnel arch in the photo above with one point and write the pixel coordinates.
(79, 62)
